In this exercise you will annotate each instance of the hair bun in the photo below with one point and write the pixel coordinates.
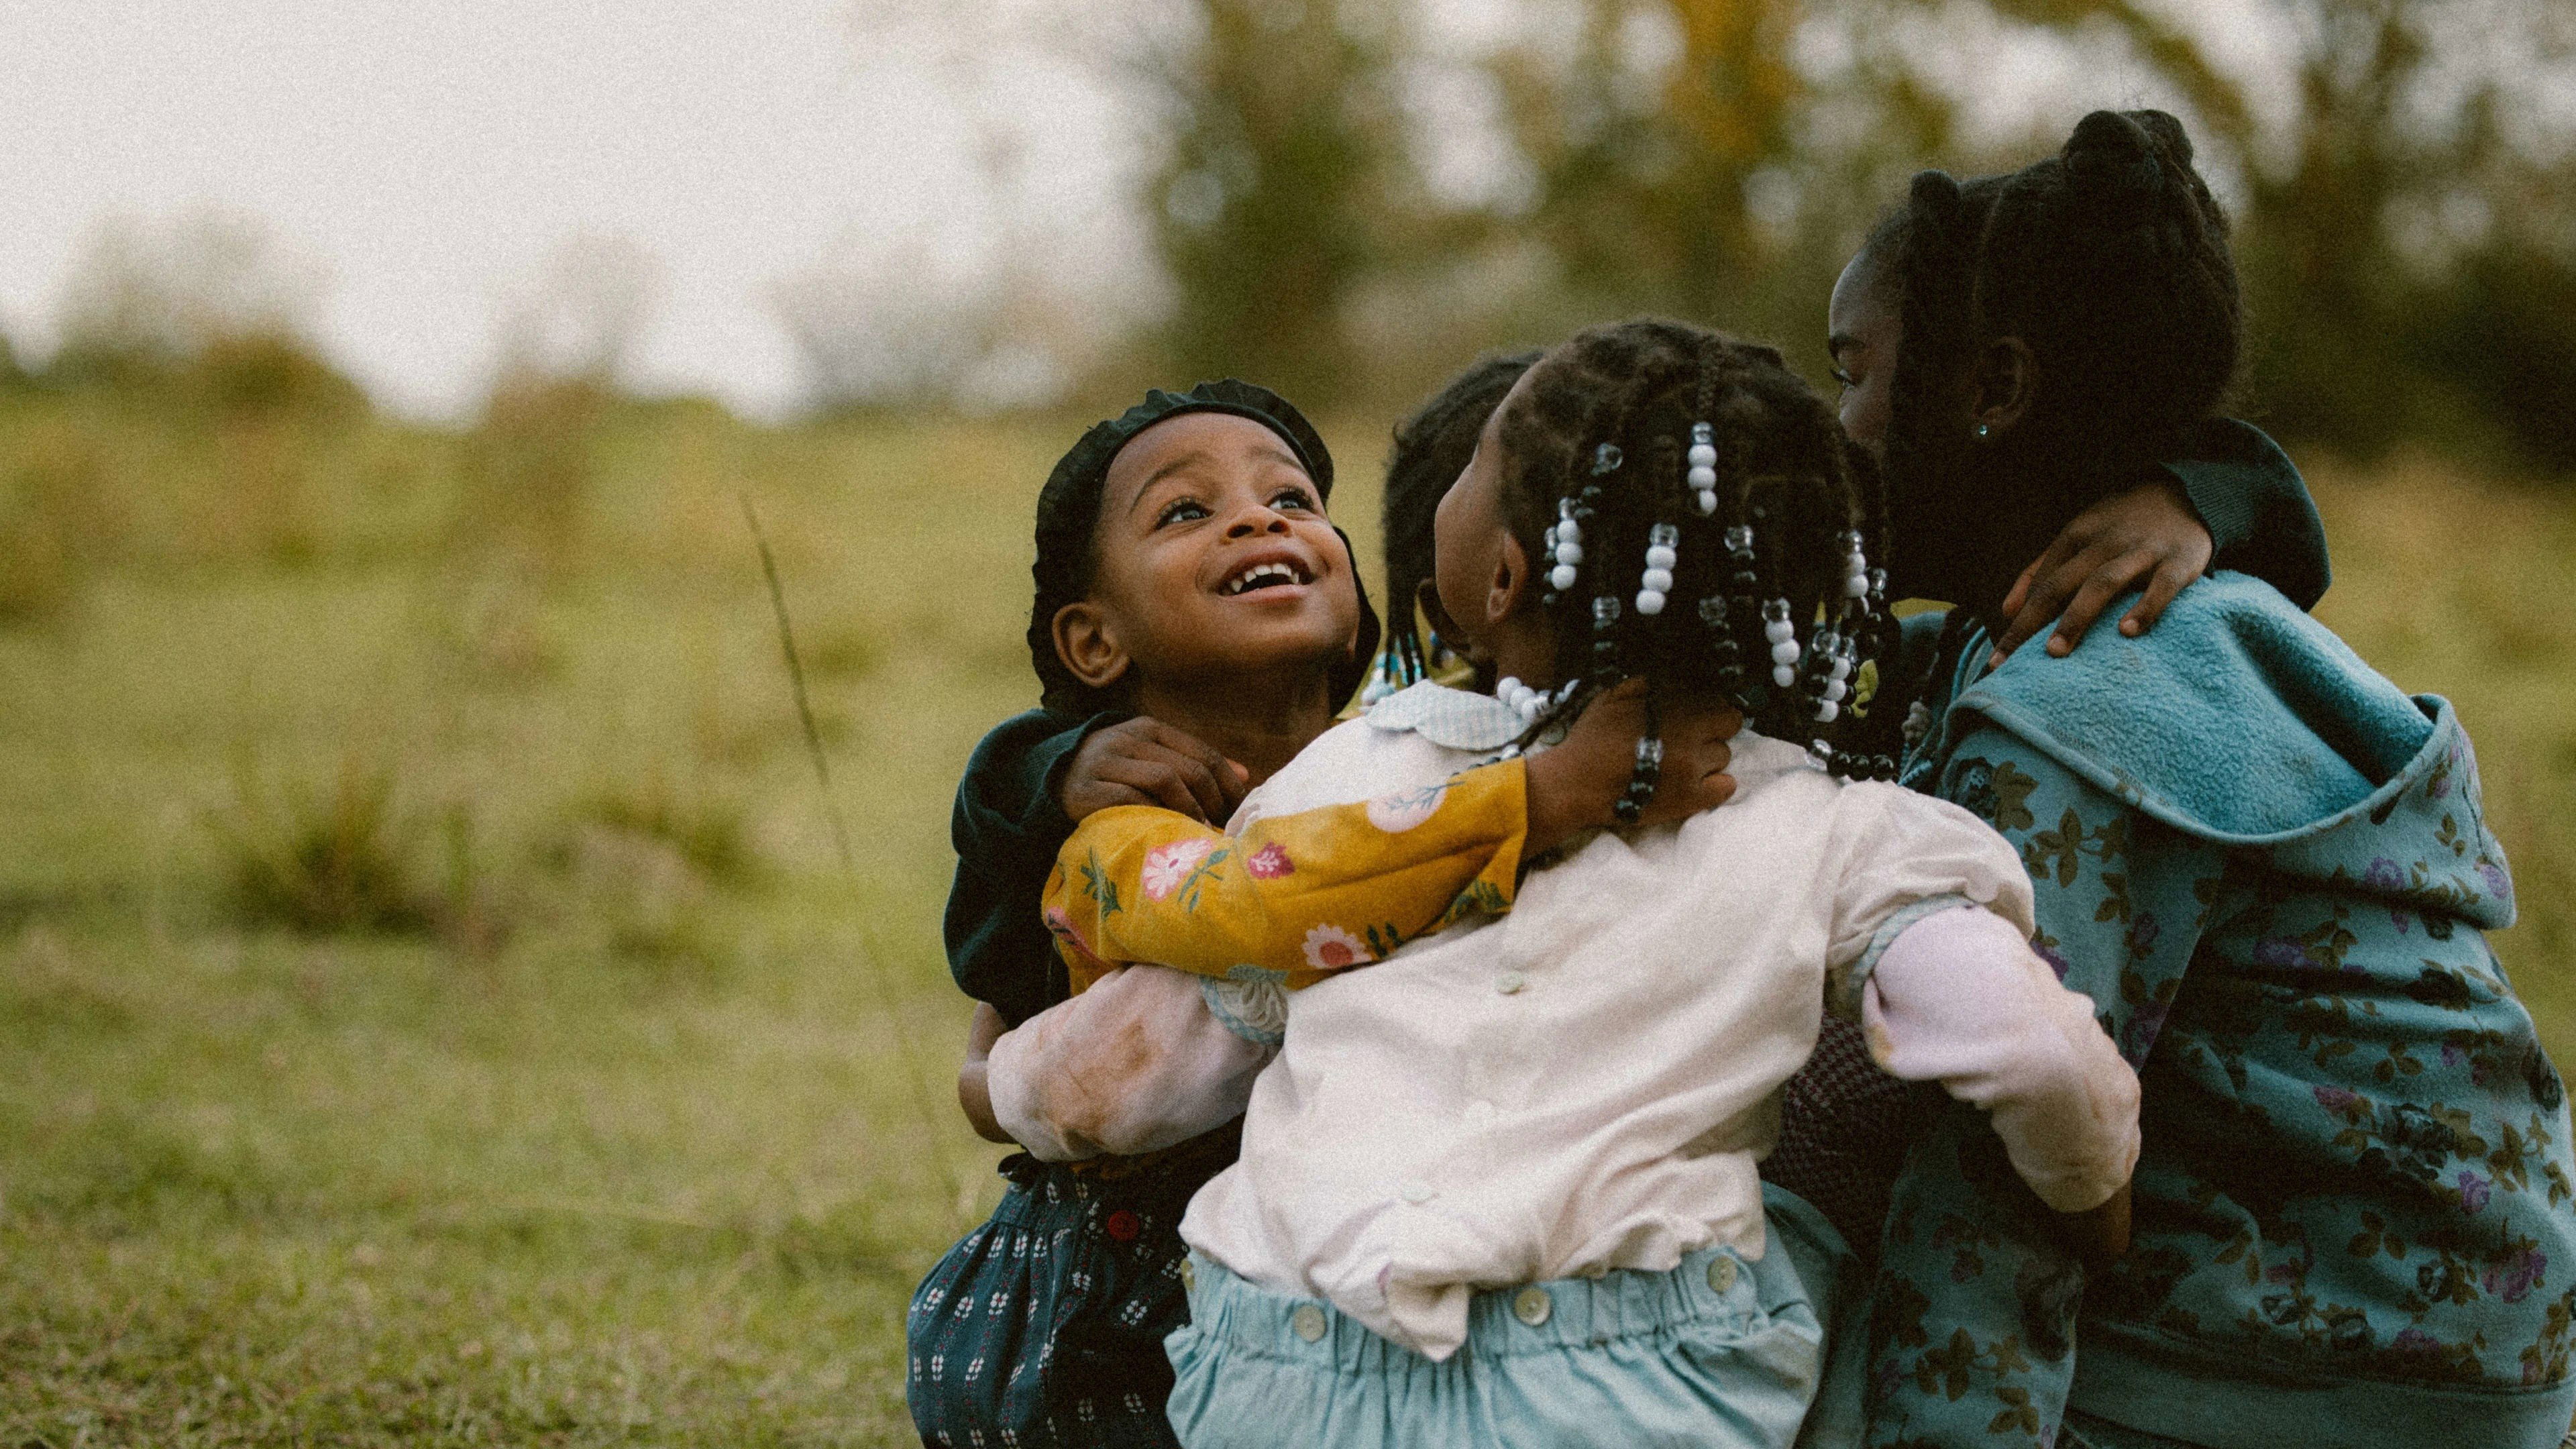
(2112, 165)
(1934, 197)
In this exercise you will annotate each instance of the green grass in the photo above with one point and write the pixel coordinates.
(617, 1137)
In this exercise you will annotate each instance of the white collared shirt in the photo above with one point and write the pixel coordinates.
(1589, 1082)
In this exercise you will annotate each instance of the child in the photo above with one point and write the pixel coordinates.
(1186, 572)
(2266, 864)
(1535, 1140)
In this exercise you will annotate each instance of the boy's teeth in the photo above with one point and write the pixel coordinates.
(1260, 573)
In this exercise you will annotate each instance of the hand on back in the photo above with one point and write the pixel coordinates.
(1147, 762)
(2148, 533)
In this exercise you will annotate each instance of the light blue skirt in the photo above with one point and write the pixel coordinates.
(1716, 1354)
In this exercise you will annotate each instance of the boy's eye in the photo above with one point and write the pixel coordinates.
(1842, 377)
(1293, 498)
(1181, 510)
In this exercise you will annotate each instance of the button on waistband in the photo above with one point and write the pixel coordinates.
(1532, 1305)
(1307, 1322)
(1721, 1273)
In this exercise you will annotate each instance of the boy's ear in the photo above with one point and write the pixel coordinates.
(1511, 580)
(1086, 639)
(2006, 381)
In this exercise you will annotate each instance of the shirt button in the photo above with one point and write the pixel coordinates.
(1189, 1274)
(1415, 1190)
(1532, 1306)
(1307, 1322)
(1721, 1273)
(1510, 983)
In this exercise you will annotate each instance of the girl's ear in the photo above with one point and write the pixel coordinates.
(1511, 580)
(1086, 639)
(2005, 382)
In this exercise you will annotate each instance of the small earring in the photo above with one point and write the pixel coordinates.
(1983, 430)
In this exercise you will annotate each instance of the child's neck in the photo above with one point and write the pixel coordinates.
(1259, 724)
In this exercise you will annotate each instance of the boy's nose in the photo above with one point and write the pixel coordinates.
(1264, 519)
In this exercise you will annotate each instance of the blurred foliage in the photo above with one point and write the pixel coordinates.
(2407, 210)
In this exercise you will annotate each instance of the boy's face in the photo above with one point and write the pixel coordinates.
(1215, 559)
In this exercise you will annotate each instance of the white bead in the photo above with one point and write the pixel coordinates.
(1562, 577)
(1703, 479)
(1660, 557)
(1856, 587)
(1656, 581)
(1649, 601)
(1569, 531)
(1827, 711)
(1785, 652)
(1784, 676)
(1707, 502)
(1842, 669)
(1703, 455)
(1569, 553)
(1779, 630)
(1836, 689)
(1854, 563)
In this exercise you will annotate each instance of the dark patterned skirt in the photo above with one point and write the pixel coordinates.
(1844, 1129)
(1045, 1326)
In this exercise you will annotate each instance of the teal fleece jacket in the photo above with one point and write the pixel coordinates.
(2270, 870)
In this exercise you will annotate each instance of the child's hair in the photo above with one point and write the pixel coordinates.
(1068, 527)
(1432, 448)
(1698, 518)
(2110, 259)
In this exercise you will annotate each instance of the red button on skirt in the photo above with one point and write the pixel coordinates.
(1124, 1225)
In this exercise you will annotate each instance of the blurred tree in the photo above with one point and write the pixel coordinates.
(1282, 165)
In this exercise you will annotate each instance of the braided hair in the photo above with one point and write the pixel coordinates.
(1702, 523)
(1432, 448)
(2111, 261)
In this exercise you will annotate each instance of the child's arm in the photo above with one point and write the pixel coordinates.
(1936, 899)
(1299, 897)
(1136, 1064)
(2233, 493)
(974, 1096)
(1959, 997)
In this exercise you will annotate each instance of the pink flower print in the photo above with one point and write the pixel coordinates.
(2336, 1100)
(2474, 1192)
(1330, 948)
(2515, 1276)
(1269, 862)
(1166, 866)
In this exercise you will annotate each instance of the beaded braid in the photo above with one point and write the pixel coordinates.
(1727, 485)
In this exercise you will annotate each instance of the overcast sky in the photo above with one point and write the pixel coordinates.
(433, 155)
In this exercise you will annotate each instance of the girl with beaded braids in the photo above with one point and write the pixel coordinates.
(2265, 864)
(1502, 1187)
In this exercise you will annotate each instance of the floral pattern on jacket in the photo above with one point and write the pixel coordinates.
(2356, 1160)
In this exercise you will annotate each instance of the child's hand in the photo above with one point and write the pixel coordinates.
(2100, 1235)
(2102, 554)
(1147, 762)
(1573, 786)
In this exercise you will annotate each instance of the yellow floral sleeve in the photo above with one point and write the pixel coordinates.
(1295, 898)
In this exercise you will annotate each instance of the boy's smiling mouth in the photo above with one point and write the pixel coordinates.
(1268, 573)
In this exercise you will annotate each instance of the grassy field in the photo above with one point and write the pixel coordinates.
(431, 1009)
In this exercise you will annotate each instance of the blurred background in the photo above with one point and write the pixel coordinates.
(432, 1005)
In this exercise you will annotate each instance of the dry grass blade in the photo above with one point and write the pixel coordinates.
(875, 967)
